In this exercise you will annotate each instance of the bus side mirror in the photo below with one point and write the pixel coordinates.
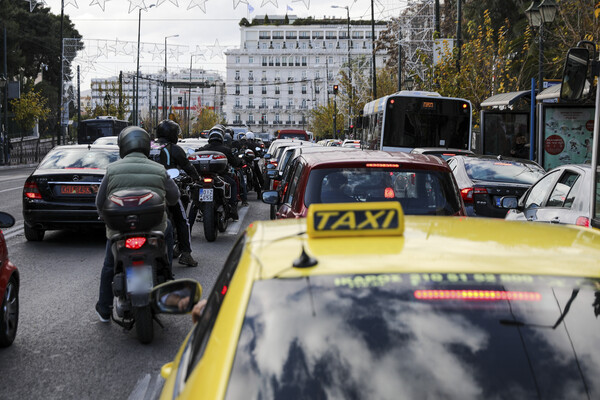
(575, 74)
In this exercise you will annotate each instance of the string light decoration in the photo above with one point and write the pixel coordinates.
(201, 4)
(216, 50)
(237, 3)
(99, 3)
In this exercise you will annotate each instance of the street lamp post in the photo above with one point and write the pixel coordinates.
(165, 81)
(106, 102)
(349, 66)
(137, 80)
(538, 14)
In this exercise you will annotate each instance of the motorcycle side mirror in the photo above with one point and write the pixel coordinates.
(190, 151)
(173, 173)
(258, 148)
(6, 220)
(271, 166)
(176, 297)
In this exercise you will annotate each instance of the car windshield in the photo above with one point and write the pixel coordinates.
(418, 336)
(502, 171)
(79, 158)
(422, 192)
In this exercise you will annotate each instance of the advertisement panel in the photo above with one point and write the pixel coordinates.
(568, 133)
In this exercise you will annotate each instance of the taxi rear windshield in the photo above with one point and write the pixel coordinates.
(417, 336)
(420, 192)
(502, 171)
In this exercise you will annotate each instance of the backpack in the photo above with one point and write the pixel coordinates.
(161, 153)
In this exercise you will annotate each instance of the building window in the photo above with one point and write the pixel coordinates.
(264, 35)
(304, 74)
(277, 89)
(284, 61)
(277, 61)
(317, 74)
(263, 118)
(277, 35)
(251, 118)
(237, 102)
(297, 61)
(264, 89)
(250, 102)
(317, 60)
(250, 89)
(276, 104)
(277, 117)
(290, 89)
(317, 89)
(250, 75)
(270, 61)
(251, 60)
(237, 119)
(303, 89)
(237, 89)
(264, 61)
(304, 61)
(330, 60)
(263, 45)
(237, 59)
(237, 75)
(263, 103)
(304, 35)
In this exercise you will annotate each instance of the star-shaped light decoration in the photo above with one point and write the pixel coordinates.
(306, 3)
(201, 4)
(100, 3)
(125, 48)
(237, 3)
(72, 2)
(159, 2)
(34, 3)
(157, 53)
(174, 52)
(216, 49)
(88, 61)
(134, 4)
(274, 2)
(198, 54)
(102, 48)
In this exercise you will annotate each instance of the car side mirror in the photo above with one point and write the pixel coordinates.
(267, 156)
(271, 174)
(271, 166)
(176, 297)
(270, 197)
(509, 202)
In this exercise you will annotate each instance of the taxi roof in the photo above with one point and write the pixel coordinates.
(373, 156)
(429, 245)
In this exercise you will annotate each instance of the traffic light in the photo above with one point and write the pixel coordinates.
(335, 89)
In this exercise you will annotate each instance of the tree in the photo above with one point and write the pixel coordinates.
(28, 109)
(321, 121)
(205, 120)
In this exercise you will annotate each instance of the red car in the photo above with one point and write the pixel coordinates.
(9, 289)
(424, 185)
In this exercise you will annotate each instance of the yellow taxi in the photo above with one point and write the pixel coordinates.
(359, 301)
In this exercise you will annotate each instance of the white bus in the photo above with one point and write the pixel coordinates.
(408, 119)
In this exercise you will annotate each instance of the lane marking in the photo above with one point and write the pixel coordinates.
(140, 389)
(13, 231)
(235, 226)
(8, 190)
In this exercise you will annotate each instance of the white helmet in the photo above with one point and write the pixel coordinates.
(249, 135)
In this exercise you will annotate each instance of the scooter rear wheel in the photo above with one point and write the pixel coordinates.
(210, 225)
(143, 324)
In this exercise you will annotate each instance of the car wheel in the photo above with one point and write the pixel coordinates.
(9, 313)
(34, 235)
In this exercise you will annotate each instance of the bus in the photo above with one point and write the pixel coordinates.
(92, 129)
(409, 119)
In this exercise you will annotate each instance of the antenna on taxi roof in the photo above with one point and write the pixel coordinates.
(305, 261)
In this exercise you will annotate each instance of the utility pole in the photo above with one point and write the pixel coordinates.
(78, 99)
(60, 88)
(120, 94)
(458, 32)
(374, 69)
(399, 59)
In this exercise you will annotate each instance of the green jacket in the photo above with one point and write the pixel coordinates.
(135, 170)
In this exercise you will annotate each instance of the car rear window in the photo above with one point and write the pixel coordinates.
(302, 136)
(502, 171)
(419, 336)
(420, 192)
(79, 158)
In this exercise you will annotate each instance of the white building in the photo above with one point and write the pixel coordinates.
(280, 72)
(206, 92)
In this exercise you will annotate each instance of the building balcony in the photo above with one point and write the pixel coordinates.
(250, 106)
(263, 107)
(250, 78)
(250, 122)
(237, 107)
(289, 107)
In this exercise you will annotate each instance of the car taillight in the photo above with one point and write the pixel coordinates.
(389, 193)
(382, 165)
(135, 243)
(476, 295)
(31, 190)
(192, 158)
(467, 193)
(583, 221)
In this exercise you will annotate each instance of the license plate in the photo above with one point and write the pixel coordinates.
(206, 195)
(139, 279)
(78, 189)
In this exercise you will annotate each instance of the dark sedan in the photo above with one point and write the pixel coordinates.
(562, 196)
(490, 185)
(61, 192)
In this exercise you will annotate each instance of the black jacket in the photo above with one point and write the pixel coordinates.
(173, 156)
(233, 160)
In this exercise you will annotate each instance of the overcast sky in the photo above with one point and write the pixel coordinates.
(205, 27)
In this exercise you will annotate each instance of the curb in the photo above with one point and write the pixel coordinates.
(15, 166)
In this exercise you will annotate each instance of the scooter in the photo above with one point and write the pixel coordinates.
(140, 257)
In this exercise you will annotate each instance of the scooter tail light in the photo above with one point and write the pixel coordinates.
(117, 201)
(145, 198)
(207, 180)
(134, 243)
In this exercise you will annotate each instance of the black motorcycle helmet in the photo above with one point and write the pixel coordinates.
(132, 139)
(215, 136)
(169, 130)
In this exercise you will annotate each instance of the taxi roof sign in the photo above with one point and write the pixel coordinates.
(355, 219)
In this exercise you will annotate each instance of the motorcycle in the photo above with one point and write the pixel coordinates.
(214, 192)
(250, 165)
(140, 257)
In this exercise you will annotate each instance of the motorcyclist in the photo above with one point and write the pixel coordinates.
(237, 149)
(216, 143)
(173, 156)
(251, 144)
(133, 170)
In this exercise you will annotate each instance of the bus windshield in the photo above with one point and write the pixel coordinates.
(426, 122)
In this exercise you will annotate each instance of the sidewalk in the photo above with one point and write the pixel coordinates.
(15, 166)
